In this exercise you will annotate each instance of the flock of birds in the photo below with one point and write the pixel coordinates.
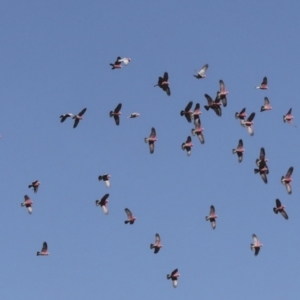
(189, 114)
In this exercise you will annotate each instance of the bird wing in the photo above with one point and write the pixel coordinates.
(174, 272)
(153, 132)
(212, 210)
(189, 106)
(151, 146)
(157, 238)
(251, 117)
(289, 112)
(266, 100)
(265, 81)
(262, 154)
(103, 199)
(118, 108)
(284, 214)
(117, 119)
(189, 139)
(222, 86)
(203, 70)
(256, 251)
(166, 76)
(128, 213)
(45, 247)
(289, 172)
(82, 112)
(26, 197)
(209, 99)
(240, 145)
(264, 177)
(278, 203)
(76, 123)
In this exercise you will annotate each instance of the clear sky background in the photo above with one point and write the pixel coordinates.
(54, 59)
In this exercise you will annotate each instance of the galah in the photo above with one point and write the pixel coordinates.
(214, 105)
(78, 117)
(256, 245)
(133, 115)
(27, 203)
(262, 157)
(130, 217)
(151, 140)
(157, 244)
(212, 217)
(223, 93)
(286, 180)
(263, 170)
(239, 150)
(187, 146)
(266, 105)
(164, 84)
(248, 123)
(288, 117)
(105, 178)
(174, 276)
(241, 115)
(264, 84)
(116, 64)
(201, 73)
(116, 113)
(64, 117)
(44, 251)
(197, 112)
(280, 209)
(198, 130)
(35, 185)
(103, 203)
(187, 112)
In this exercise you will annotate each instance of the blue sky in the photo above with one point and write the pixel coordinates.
(54, 59)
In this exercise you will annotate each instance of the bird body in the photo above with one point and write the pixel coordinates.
(44, 251)
(212, 217)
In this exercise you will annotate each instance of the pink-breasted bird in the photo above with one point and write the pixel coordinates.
(116, 113)
(286, 180)
(27, 203)
(241, 115)
(198, 130)
(288, 117)
(105, 178)
(164, 84)
(103, 203)
(187, 112)
(187, 146)
(263, 170)
(239, 150)
(78, 117)
(256, 245)
(116, 64)
(264, 84)
(248, 123)
(201, 73)
(223, 93)
(262, 157)
(130, 217)
(214, 105)
(151, 140)
(157, 245)
(280, 209)
(64, 117)
(266, 105)
(174, 276)
(35, 185)
(44, 251)
(212, 217)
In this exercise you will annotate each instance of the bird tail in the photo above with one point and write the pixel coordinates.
(256, 171)
(206, 107)
(22, 204)
(151, 246)
(30, 185)
(193, 132)
(97, 202)
(182, 113)
(126, 222)
(284, 119)
(207, 218)
(252, 247)
(146, 140)
(237, 115)
(111, 113)
(100, 178)
(168, 276)
(282, 177)
(38, 253)
(275, 210)
(262, 108)
(183, 146)
(233, 151)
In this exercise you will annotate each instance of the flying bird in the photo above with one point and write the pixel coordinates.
(214, 105)
(157, 244)
(116, 113)
(266, 105)
(241, 115)
(262, 157)
(117, 63)
(78, 117)
(256, 245)
(130, 217)
(174, 276)
(223, 93)
(264, 84)
(288, 117)
(44, 251)
(280, 209)
(198, 130)
(286, 180)
(103, 203)
(27, 203)
(134, 115)
(197, 112)
(164, 84)
(105, 178)
(35, 185)
(201, 73)
(263, 170)
(187, 112)
(64, 117)
(249, 124)
(151, 140)
(187, 145)
(239, 150)
(212, 217)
